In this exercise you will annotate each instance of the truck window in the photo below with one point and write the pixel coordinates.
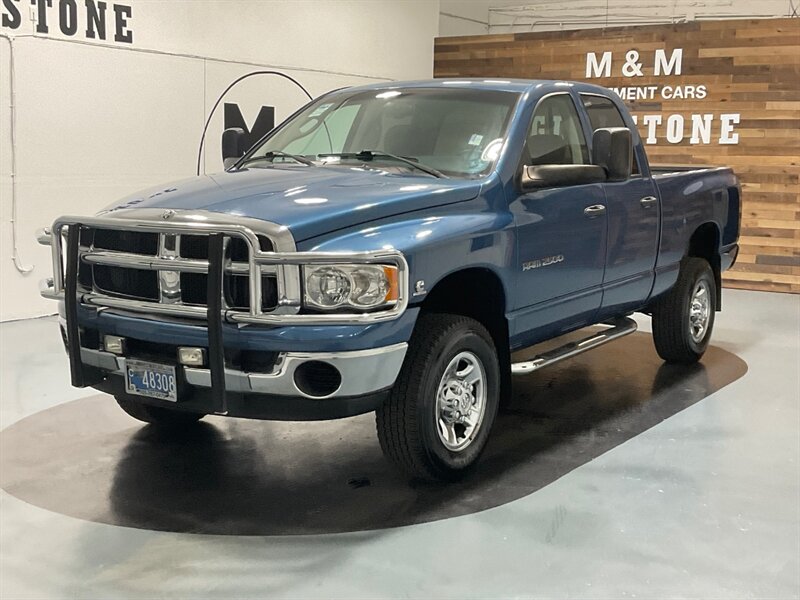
(555, 136)
(604, 113)
(458, 131)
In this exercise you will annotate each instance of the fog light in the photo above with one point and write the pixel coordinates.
(114, 344)
(192, 357)
(317, 379)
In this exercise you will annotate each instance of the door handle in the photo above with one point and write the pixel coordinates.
(648, 201)
(595, 210)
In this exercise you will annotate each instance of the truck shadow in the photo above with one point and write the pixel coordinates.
(238, 477)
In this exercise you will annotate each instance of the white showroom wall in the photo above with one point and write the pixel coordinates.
(476, 17)
(98, 119)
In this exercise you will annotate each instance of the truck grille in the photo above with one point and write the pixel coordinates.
(122, 282)
(162, 286)
(121, 241)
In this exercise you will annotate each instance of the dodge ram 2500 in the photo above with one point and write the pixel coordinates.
(387, 248)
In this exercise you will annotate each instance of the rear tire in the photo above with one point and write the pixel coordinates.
(684, 318)
(438, 416)
(161, 417)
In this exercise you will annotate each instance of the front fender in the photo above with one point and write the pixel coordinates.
(436, 244)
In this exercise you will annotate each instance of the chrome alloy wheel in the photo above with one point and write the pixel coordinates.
(461, 401)
(700, 311)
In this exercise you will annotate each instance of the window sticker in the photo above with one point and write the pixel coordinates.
(320, 109)
(475, 140)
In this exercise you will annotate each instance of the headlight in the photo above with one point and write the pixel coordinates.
(357, 286)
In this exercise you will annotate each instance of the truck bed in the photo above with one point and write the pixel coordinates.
(690, 197)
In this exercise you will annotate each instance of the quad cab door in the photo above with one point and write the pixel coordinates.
(633, 221)
(561, 230)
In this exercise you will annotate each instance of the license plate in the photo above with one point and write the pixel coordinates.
(151, 379)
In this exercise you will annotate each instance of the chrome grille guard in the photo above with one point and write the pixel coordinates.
(284, 263)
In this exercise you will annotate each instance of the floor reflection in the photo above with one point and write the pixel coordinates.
(88, 460)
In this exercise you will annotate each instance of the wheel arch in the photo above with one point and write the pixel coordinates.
(478, 293)
(705, 243)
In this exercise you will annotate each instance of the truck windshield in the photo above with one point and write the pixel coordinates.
(455, 132)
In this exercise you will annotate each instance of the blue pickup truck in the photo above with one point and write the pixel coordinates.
(386, 249)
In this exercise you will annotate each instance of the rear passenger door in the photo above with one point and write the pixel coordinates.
(561, 244)
(633, 222)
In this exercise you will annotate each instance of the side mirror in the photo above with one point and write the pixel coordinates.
(612, 149)
(544, 176)
(232, 146)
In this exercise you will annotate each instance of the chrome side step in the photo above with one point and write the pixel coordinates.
(618, 328)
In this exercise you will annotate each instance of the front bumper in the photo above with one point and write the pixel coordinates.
(362, 372)
(367, 372)
(366, 377)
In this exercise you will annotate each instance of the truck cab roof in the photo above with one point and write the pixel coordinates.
(500, 84)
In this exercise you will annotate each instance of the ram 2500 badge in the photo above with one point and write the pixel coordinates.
(386, 249)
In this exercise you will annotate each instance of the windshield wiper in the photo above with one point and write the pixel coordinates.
(368, 155)
(273, 154)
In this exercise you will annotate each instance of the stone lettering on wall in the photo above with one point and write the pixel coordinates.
(87, 19)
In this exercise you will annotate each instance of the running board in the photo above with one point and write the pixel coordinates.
(619, 328)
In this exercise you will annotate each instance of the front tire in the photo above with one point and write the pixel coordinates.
(438, 416)
(161, 417)
(684, 318)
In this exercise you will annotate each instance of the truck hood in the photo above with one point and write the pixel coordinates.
(310, 201)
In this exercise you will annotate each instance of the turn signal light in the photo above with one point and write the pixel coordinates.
(393, 280)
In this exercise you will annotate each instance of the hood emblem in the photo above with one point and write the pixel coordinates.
(167, 214)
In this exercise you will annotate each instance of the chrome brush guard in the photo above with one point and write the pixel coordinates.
(284, 263)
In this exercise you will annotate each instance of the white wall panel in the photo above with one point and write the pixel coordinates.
(382, 38)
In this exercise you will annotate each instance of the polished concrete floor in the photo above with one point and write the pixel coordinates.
(609, 476)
